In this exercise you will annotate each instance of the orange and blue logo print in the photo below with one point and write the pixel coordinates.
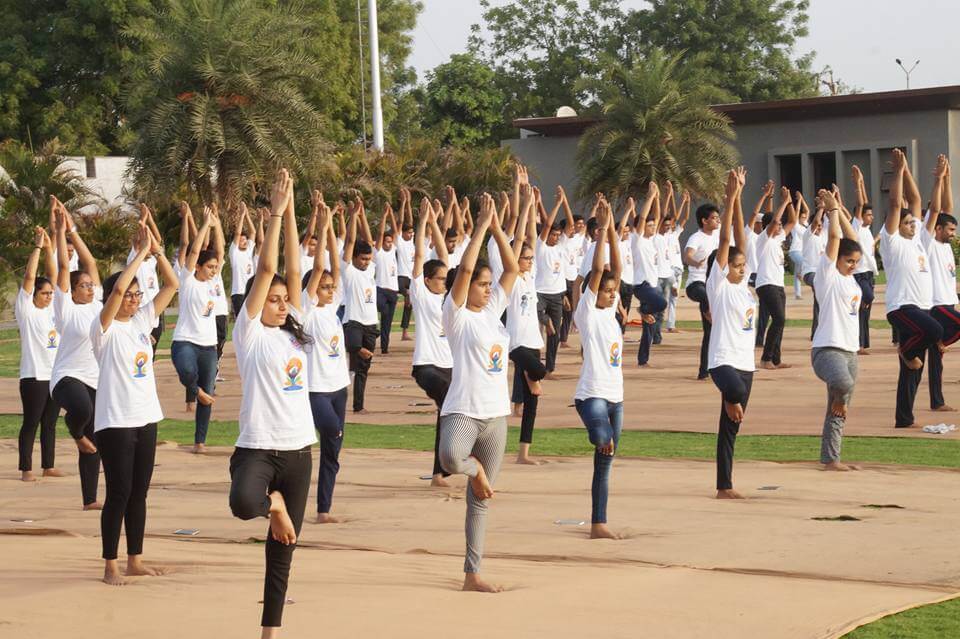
(615, 354)
(368, 296)
(293, 381)
(855, 305)
(334, 347)
(52, 339)
(922, 260)
(208, 309)
(495, 365)
(748, 320)
(556, 266)
(140, 364)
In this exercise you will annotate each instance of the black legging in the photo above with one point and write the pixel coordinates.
(435, 382)
(734, 386)
(39, 409)
(550, 306)
(78, 401)
(221, 335)
(697, 292)
(566, 318)
(254, 474)
(128, 455)
(358, 336)
(386, 306)
(865, 280)
(774, 300)
(404, 283)
(527, 360)
(917, 331)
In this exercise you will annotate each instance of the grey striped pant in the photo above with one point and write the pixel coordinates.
(464, 441)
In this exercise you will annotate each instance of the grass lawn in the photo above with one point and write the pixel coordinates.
(936, 621)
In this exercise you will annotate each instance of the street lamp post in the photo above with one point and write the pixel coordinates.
(907, 73)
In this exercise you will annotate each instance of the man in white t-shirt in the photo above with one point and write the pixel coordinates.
(770, 273)
(699, 247)
(388, 284)
(866, 269)
(241, 258)
(550, 281)
(574, 243)
(360, 306)
(646, 274)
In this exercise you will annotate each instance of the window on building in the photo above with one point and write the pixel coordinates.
(824, 170)
(791, 172)
(91, 167)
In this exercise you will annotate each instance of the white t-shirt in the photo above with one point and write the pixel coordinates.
(943, 269)
(734, 312)
(550, 278)
(326, 357)
(839, 299)
(359, 294)
(574, 247)
(405, 254)
(868, 261)
(523, 326)
(196, 320)
(627, 265)
(813, 247)
(38, 337)
(751, 251)
(241, 267)
(493, 259)
(601, 375)
(220, 305)
(796, 237)
(703, 245)
(454, 257)
(75, 356)
(480, 347)
(306, 260)
(126, 387)
(645, 268)
(909, 280)
(275, 406)
(74, 260)
(770, 259)
(430, 342)
(386, 268)
(587, 263)
(662, 243)
(146, 278)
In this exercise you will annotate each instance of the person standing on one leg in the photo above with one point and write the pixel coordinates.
(770, 275)
(359, 296)
(242, 249)
(796, 250)
(909, 294)
(405, 249)
(551, 284)
(625, 233)
(699, 247)
(388, 285)
(866, 270)
(664, 269)
(646, 269)
(672, 241)
(574, 235)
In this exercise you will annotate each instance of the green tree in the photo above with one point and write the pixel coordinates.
(747, 45)
(217, 97)
(463, 104)
(657, 125)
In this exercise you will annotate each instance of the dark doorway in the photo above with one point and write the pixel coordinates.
(791, 172)
(824, 170)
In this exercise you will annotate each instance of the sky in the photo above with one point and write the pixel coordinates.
(859, 39)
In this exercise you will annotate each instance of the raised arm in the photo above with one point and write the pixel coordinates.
(461, 284)
(112, 304)
(238, 226)
(419, 239)
(262, 214)
(857, 177)
(739, 230)
(291, 252)
(778, 214)
(947, 191)
(324, 247)
(726, 220)
(613, 240)
(216, 230)
(267, 266)
(384, 220)
(511, 268)
(596, 267)
(629, 211)
(170, 281)
(467, 217)
(185, 216)
(363, 223)
(315, 199)
(351, 238)
(33, 261)
(684, 211)
(151, 224)
(791, 212)
(570, 224)
(892, 222)
(935, 197)
(190, 263)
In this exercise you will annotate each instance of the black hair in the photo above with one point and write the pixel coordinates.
(388, 234)
(291, 325)
(557, 226)
(604, 278)
(407, 227)
(732, 253)
(704, 211)
(592, 225)
(362, 248)
(111, 281)
(39, 282)
(451, 234)
(75, 278)
(848, 247)
(577, 218)
(306, 277)
(430, 267)
(945, 218)
(452, 273)
(867, 207)
(765, 220)
(205, 256)
(243, 233)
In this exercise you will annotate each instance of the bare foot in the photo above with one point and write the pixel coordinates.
(840, 467)
(205, 398)
(96, 505)
(944, 409)
(53, 472)
(84, 445)
(601, 531)
(362, 411)
(527, 460)
(479, 485)
(564, 345)
(405, 337)
(648, 318)
(784, 365)
(281, 526)
(327, 518)
(728, 493)
(111, 574)
(839, 409)
(674, 330)
(913, 364)
(770, 366)
(199, 449)
(27, 475)
(365, 353)
(136, 568)
(552, 376)
(536, 388)
(473, 583)
(941, 347)
(734, 412)
(191, 407)
(516, 410)
(863, 351)
(439, 481)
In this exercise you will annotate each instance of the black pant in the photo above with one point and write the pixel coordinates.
(763, 318)
(128, 455)
(865, 280)
(386, 306)
(697, 292)
(949, 320)
(329, 414)
(404, 283)
(79, 401)
(808, 280)
(626, 299)
(734, 386)
(435, 382)
(39, 409)
(651, 303)
(254, 474)
(221, 335)
(774, 298)
(236, 301)
(527, 360)
(156, 333)
(567, 315)
(550, 306)
(917, 331)
(358, 336)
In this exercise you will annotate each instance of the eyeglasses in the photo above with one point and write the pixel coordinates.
(137, 295)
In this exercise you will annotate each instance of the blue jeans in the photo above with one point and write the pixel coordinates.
(604, 421)
(197, 368)
(329, 413)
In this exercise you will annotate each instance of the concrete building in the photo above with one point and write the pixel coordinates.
(804, 144)
(104, 176)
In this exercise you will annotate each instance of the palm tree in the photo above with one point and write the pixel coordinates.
(657, 125)
(217, 97)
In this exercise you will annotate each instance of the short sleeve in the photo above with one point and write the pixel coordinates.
(499, 300)
(145, 317)
(22, 304)
(587, 301)
(452, 315)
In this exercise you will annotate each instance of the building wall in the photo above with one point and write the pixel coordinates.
(551, 161)
(110, 181)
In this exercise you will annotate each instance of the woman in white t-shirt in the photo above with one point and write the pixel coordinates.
(770, 273)
(39, 340)
(599, 394)
(730, 351)
(194, 346)
(837, 340)
(128, 409)
(271, 466)
(329, 373)
(796, 245)
(473, 420)
(77, 302)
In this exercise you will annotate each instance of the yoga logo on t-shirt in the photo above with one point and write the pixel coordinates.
(334, 346)
(615, 354)
(524, 303)
(216, 290)
(495, 364)
(922, 261)
(140, 364)
(248, 269)
(952, 268)
(144, 339)
(292, 370)
(52, 339)
(368, 296)
(748, 320)
(152, 283)
(556, 267)
(855, 305)
(208, 309)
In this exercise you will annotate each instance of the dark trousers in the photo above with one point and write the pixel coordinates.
(865, 280)
(949, 320)
(626, 299)
(236, 301)
(566, 318)
(697, 292)
(527, 364)
(221, 335)
(651, 303)
(358, 336)
(763, 318)
(386, 306)
(254, 474)
(404, 282)
(39, 409)
(808, 280)
(156, 334)
(775, 299)
(197, 368)
(550, 306)
(734, 386)
(79, 401)
(918, 331)
(435, 382)
(128, 455)
(329, 414)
